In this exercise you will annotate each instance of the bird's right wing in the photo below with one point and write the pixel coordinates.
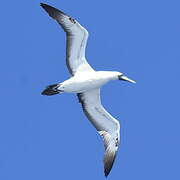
(107, 126)
(76, 40)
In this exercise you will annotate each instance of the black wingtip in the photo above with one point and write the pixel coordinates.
(109, 164)
(106, 172)
(45, 5)
(109, 158)
(106, 175)
(42, 4)
(52, 11)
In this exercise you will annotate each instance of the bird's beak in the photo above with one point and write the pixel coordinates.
(124, 78)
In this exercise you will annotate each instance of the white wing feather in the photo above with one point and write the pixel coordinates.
(107, 126)
(76, 40)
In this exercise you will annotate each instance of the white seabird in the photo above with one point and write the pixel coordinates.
(86, 82)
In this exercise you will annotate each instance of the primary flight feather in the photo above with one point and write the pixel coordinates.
(86, 83)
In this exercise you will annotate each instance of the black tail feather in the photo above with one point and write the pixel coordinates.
(51, 90)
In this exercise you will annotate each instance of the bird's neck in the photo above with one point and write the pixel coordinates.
(111, 75)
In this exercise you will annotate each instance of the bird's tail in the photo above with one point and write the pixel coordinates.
(51, 90)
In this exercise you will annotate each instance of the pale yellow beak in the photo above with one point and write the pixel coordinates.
(124, 78)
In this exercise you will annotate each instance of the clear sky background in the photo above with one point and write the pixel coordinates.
(50, 138)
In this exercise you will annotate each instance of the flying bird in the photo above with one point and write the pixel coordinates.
(86, 83)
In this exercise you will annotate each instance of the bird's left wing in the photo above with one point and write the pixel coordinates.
(76, 40)
(107, 126)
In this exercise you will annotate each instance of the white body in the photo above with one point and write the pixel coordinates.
(85, 81)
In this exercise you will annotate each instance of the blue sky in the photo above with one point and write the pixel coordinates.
(50, 137)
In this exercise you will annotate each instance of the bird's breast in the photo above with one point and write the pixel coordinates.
(82, 84)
